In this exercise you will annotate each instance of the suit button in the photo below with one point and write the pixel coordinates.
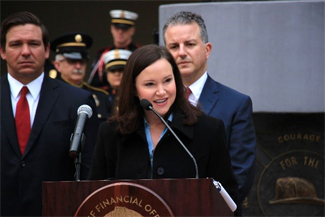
(160, 171)
(23, 164)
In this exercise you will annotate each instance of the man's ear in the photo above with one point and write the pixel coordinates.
(208, 47)
(57, 65)
(3, 53)
(47, 51)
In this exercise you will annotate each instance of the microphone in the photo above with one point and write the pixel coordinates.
(148, 106)
(84, 112)
(232, 205)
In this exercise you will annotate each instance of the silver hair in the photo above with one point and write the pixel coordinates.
(187, 17)
(59, 57)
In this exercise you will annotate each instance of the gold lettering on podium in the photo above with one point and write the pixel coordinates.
(299, 136)
(118, 201)
(311, 162)
(291, 161)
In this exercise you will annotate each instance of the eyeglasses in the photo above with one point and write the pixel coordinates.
(74, 61)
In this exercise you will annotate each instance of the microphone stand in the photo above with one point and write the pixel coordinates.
(77, 160)
(189, 153)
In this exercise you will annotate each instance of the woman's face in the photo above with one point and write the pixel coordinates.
(114, 78)
(156, 83)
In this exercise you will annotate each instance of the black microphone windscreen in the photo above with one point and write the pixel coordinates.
(145, 104)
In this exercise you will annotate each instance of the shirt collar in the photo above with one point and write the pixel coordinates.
(34, 87)
(197, 86)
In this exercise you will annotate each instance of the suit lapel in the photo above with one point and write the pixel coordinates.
(209, 96)
(48, 97)
(7, 116)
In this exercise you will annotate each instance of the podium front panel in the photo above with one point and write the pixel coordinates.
(179, 197)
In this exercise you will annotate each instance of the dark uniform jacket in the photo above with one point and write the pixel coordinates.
(113, 100)
(127, 156)
(100, 96)
(46, 157)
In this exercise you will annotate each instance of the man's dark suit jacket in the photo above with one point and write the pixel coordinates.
(235, 110)
(46, 157)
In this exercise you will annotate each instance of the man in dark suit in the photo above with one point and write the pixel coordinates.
(39, 152)
(186, 37)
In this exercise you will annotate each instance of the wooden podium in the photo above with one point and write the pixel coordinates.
(144, 197)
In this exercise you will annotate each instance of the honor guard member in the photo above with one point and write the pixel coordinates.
(122, 30)
(71, 58)
(114, 60)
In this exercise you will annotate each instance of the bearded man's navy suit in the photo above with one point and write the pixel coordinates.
(235, 110)
(46, 157)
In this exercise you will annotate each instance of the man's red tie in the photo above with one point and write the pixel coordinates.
(22, 120)
(187, 92)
